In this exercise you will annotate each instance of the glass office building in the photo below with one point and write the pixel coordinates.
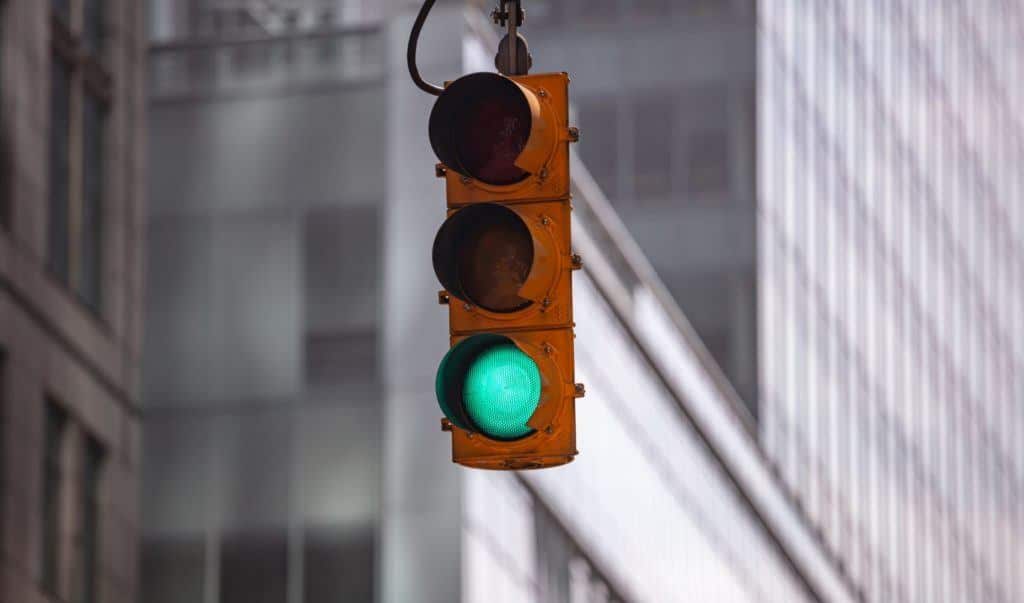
(892, 300)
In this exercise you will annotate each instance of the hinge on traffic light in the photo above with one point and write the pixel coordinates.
(501, 14)
(509, 60)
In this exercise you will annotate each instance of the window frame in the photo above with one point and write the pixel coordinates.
(52, 491)
(88, 78)
(88, 546)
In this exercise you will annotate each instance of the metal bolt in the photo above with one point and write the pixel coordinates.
(543, 173)
(545, 220)
(542, 93)
(545, 302)
(464, 180)
(446, 425)
(574, 134)
(440, 170)
(469, 435)
(548, 349)
(443, 298)
(549, 430)
(580, 390)
(577, 261)
(467, 307)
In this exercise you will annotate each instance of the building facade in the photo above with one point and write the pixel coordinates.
(71, 212)
(665, 94)
(892, 301)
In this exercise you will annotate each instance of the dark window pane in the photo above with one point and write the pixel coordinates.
(653, 153)
(6, 190)
(62, 8)
(90, 508)
(342, 281)
(53, 432)
(172, 570)
(341, 358)
(93, 120)
(599, 125)
(92, 31)
(253, 567)
(708, 163)
(338, 565)
(3, 413)
(59, 227)
(89, 543)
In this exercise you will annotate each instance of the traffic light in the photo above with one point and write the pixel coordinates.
(504, 257)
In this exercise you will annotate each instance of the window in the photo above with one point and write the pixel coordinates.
(652, 158)
(62, 436)
(80, 90)
(55, 423)
(337, 564)
(704, 133)
(341, 289)
(3, 408)
(5, 154)
(60, 120)
(707, 165)
(599, 123)
(88, 543)
(253, 566)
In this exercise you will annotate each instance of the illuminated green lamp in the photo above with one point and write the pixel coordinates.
(487, 384)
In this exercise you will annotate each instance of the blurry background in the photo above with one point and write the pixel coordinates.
(799, 321)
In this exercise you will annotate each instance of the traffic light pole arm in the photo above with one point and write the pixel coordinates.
(410, 55)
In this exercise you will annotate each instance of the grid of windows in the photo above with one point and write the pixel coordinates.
(892, 240)
(676, 144)
(80, 92)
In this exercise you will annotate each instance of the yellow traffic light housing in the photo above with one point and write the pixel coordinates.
(504, 257)
(524, 121)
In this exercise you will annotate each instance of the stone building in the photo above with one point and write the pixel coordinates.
(71, 209)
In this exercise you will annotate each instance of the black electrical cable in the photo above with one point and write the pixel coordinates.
(410, 55)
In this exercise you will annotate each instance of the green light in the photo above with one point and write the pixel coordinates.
(502, 391)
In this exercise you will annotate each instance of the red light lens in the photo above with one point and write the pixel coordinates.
(491, 135)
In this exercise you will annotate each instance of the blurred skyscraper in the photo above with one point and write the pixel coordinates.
(665, 97)
(71, 223)
(892, 281)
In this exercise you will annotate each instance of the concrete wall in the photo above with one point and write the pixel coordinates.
(262, 389)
